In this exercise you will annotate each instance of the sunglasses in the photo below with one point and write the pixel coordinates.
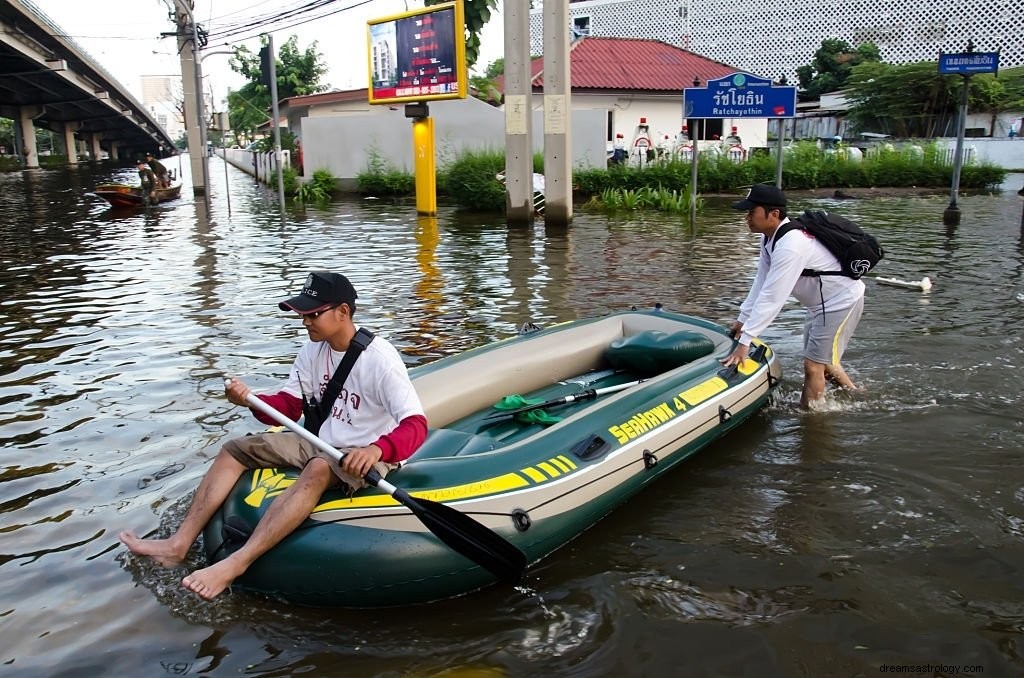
(316, 314)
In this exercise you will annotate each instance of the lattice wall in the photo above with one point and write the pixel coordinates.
(772, 39)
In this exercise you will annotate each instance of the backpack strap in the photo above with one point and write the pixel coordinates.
(791, 225)
(356, 346)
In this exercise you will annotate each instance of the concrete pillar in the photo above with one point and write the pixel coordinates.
(94, 146)
(518, 115)
(70, 146)
(115, 150)
(27, 128)
(557, 114)
(191, 92)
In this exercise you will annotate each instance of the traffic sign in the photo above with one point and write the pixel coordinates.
(739, 95)
(966, 63)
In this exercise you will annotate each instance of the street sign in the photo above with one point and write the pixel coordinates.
(966, 63)
(739, 95)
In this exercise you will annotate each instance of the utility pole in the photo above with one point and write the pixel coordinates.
(557, 115)
(278, 155)
(192, 92)
(518, 115)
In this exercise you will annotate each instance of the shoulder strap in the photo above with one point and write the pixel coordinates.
(791, 225)
(356, 346)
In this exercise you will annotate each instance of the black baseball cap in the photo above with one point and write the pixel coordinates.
(761, 194)
(322, 290)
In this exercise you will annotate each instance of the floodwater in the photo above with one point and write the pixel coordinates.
(886, 531)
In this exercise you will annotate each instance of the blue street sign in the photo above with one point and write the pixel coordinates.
(966, 63)
(739, 95)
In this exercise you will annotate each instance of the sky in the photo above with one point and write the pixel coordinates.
(124, 36)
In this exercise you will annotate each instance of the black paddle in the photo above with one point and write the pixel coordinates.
(589, 394)
(460, 532)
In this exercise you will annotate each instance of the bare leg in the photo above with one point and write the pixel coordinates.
(213, 490)
(285, 514)
(814, 384)
(838, 375)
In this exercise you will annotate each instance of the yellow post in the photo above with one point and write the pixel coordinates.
(424, 166)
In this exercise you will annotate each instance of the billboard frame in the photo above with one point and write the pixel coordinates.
(458, 50)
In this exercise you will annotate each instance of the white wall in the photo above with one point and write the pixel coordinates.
(344, 141)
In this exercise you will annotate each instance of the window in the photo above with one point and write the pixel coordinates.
(580, 26)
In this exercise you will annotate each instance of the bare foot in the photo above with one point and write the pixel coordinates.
(164, 551)
(211, 581)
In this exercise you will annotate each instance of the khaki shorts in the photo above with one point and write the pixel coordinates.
(826, 336)
(286, 449)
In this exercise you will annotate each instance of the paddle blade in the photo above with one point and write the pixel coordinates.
(468, 537)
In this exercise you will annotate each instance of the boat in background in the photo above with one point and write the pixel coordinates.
(535, 437)
(124, 195)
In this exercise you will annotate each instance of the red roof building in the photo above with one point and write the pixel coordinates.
(641, 81)
(622, 64)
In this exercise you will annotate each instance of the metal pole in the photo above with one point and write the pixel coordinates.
(952, 213)
(222, 118)
(778, 160)
(276, 122)
(693, 185)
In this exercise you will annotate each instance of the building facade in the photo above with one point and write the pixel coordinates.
(773, 39)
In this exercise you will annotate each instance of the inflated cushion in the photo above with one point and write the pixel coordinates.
(654, 352)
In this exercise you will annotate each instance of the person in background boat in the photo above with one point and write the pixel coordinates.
(377, 417)
(149, 182)
(834, 303)
(162, 175)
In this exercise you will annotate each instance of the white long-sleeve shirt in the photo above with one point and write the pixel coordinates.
(778, 277)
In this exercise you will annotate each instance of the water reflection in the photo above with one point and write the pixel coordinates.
(850, 527)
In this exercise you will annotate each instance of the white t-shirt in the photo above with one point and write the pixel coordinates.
(377, 394)
(778, 276)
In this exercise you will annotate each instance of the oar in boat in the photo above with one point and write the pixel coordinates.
(460, 532)
(589, 394)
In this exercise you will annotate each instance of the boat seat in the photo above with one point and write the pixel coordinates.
(652, 352)
(449, 442)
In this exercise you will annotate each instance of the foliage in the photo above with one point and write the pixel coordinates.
(477, 13)
(805, 166)
(471, 180)
(290, 178)
(298, 73)
(907, 100)
(318, 189)
(485, 87)
(832, 65)
(660, 199)
(382, 179)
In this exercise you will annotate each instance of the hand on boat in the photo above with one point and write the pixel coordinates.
(738, 355)
(735, 329)
(236, 392)
(359, 460)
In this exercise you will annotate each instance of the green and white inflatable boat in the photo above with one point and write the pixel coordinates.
(648, 391)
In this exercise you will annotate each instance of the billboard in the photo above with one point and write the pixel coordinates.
(418, 55)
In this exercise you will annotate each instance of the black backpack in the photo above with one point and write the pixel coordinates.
(857, 250)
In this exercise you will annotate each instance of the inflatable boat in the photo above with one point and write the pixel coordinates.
(533, 439)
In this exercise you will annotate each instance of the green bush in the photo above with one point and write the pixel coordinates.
(382, 179)
(471, 180)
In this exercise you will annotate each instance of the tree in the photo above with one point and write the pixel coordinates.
(832, 66)
(298, 73)
(477, 13)
(880, 101)
(484, 86)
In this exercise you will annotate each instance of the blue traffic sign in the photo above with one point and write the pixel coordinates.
(966, 63)
(739, 95)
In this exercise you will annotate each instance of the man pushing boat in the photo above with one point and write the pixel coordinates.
(373, 411)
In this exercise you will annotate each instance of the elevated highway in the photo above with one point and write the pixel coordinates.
(47, 81)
